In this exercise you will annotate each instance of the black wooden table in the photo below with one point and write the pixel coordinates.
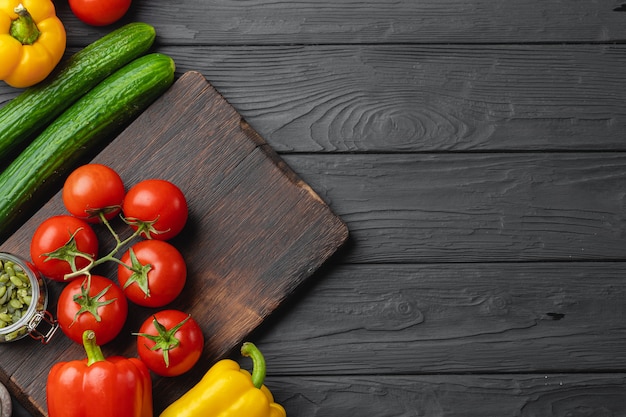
(476, 151)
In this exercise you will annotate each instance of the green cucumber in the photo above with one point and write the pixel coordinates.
(80, 131)
(22, 118)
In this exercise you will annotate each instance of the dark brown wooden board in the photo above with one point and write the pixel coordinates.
(255, 232)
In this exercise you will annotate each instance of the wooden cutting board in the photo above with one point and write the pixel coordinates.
(255, 232)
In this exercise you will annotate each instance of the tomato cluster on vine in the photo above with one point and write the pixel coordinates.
(151, 272)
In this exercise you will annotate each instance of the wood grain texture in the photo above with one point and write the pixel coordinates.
(408, 98)
(255, 232)
(485, 207)
(192, 22)
(454, 396)
(414, 98)
(537, 317)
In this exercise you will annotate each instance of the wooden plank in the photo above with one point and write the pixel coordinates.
(484, 207)
(193, 22)
(543, 395)
(407, 98)
(255, 233)
(452, 319)
(423, 102)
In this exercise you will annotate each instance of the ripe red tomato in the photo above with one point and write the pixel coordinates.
(158, 273)
(56, 243)
(98, 305)
(91, 189)
(170, 342)
(99, 12)
(158, 201)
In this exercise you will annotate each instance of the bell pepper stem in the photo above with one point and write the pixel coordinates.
(24, 28)
(94, 353)
(248, 349)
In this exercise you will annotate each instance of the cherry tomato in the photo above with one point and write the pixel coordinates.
(170, 342)
(157, 201)
(97, 304)
(99, 12)
(91, 189)
(158, 273)
(60, 241)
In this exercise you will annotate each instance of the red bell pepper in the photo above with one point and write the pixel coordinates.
(99, 387)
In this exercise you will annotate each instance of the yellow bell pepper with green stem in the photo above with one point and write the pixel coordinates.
(32, 41)
(226, 390)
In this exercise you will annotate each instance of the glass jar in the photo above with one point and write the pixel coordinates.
(23, 301)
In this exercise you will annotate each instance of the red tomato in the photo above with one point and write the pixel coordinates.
(158, 273)
(91, 189)
(60, 241)
(157, 201)
(99, 12)
(98, 305)
(170, 342)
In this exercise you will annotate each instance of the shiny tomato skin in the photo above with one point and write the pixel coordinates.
(160, 200)
(91, 188)
(99, 12)
(55, 232)
(181, 358)
(166, 277)
(112, 316)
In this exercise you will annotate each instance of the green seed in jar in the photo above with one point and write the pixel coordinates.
(22, 293)
(15, 295)
(14, 334)
(15, 280)
(6, 297)
(23, 277)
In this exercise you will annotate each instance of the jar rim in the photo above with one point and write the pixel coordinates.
(34, 283)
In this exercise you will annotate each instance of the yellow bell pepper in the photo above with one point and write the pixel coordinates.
(226, 390)
(32, 41)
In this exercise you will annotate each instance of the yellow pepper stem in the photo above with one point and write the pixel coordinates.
(248, 349)
(24, 28)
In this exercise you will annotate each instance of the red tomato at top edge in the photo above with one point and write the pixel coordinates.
(93, 188)
(99, 12)
(112, 316)
(182, 357)
(164, 280)
(160, 200)
(55, 232)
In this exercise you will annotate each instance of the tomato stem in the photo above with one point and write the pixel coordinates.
(165, 340)
(108, 257)
(104, 221)
(69, 252)
(90, 304)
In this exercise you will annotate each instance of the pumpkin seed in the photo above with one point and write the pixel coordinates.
(15, 294)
